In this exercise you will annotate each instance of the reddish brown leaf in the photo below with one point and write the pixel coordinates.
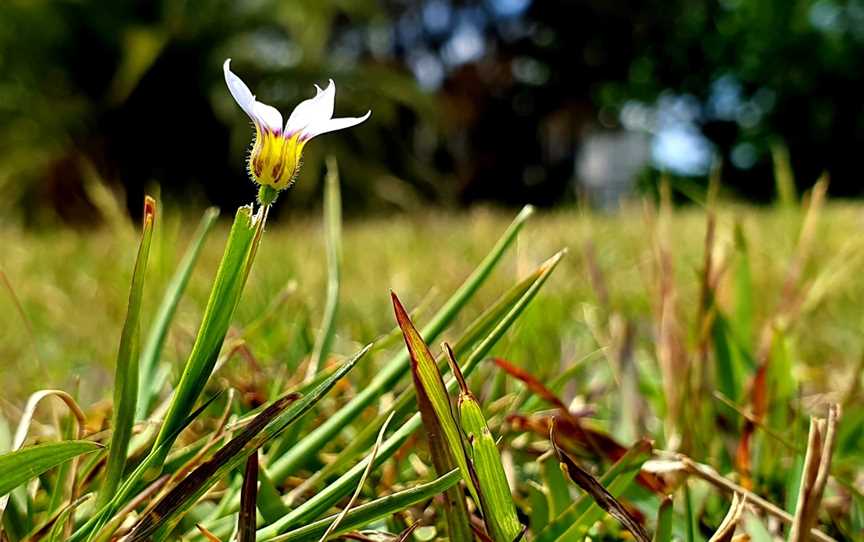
(532, 383)
(246, 524)
(600, 494)
(759, 402)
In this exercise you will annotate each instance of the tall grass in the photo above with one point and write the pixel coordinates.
(658, 381)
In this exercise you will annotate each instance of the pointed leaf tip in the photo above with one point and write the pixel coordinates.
(454, 368)
(399, 309)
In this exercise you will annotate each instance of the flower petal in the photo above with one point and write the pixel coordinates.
(268, 116)
(313, 110)
(262, 114)
(331, 125)
(241, 93)
(329, 101)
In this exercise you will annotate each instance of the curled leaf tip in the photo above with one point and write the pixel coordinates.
(149, 209)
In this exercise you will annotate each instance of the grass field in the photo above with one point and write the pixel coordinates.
(647, 348)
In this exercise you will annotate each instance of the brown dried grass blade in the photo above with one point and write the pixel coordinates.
(726, 531)
(24, 427)
(714, 478)
(817, 463)
(207, 534)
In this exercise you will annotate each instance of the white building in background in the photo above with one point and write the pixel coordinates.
(608, 164)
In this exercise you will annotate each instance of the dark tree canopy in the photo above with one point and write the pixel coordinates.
(472, 100)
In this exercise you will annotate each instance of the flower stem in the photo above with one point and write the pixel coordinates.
(267, 195)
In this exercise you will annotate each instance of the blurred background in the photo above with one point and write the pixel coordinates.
(504, 101)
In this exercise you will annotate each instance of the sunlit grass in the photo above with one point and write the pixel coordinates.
(73, 285)
(630, 331)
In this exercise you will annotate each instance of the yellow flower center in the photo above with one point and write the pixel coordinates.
(275, 158)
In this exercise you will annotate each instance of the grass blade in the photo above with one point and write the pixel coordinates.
(105, 515)
(269, 500)
(726, 530)
(405, 402)
(557, 488)
(371, 511)
(26, 419)
(663, 532)
(339, 488)
(57, 534)
(387, 377)
(817, 464)
(341, 516)
(147, 368)
(496, 501)
(126, 371)
(230, 279)
(333, 233)
(264, 427)
(210, 537)
(784, 178)
(445, 437)
(616, 479)
(598, 492)
(21, 465)
(246, 520)
(171, 507)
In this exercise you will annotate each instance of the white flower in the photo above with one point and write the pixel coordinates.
(275, 157)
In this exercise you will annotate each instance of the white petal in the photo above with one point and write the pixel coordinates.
(241, 93)
(329, 101)
(313, 110)
(331, 125)
(268, 115)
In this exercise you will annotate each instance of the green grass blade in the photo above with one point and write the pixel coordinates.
(372, 511)
(148, 365)
(558, 490)
(387, 377)
(126, 371)
(333, 232)
(732, 362)
(269, 500)
(171, 507)
(405, 402)
(442, 431)
(57, 534)
(496, 501)
(264, 427)
(132, 483)
(336, 522)
(743, 290)
(691, 527)
(321, 502)
(784, 178)
(663, 532)
(429, 383)
(619, 477)
(231, 277)
(21, 465)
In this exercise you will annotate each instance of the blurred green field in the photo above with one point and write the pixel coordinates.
(622, 317)
(72, 286)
